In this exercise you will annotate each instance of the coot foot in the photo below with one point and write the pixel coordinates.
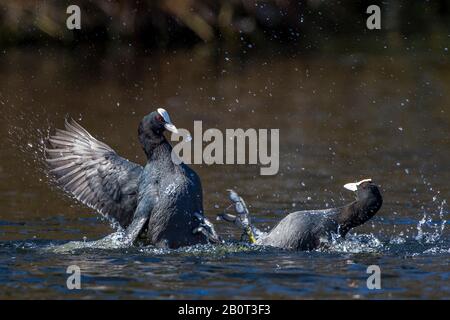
(242, 219)
(207, 229)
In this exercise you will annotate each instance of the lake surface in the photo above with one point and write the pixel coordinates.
(342, 117)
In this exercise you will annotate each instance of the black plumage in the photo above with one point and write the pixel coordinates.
(311, 229)
(93, 173)
(159, 203)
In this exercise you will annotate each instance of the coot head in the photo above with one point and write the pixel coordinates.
(156, 122)
(368, 202)
(364, 189)
(151, 130)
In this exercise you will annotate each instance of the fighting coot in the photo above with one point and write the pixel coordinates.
(159, 204)
(308, 230)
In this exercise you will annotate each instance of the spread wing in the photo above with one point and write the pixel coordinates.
(93, 173)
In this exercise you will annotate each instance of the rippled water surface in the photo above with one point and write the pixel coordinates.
(342, 117)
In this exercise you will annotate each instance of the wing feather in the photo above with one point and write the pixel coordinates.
(93, 173)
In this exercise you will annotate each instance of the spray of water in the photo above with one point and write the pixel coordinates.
(27, 132)
(430, 230)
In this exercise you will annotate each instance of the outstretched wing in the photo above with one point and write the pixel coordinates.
(94, 173)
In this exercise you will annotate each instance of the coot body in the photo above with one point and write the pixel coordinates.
(311, 229)
(158, 204)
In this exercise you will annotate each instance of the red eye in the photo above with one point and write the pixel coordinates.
(159, 118)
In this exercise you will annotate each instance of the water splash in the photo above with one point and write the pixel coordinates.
(429, 230)
(354, 243)
(397, 239)
(27, 131)
(115, 240)
(207, 249)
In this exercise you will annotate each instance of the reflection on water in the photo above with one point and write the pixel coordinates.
(342, 117)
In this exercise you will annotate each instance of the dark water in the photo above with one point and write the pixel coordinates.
(342, 117)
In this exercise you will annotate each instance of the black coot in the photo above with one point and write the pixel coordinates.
(159, 204)
(308, 230)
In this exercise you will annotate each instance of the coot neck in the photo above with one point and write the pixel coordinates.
(155, 146)
(358, 212)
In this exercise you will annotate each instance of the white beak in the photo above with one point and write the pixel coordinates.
(171, 127)
(168, 125)
(353, 186)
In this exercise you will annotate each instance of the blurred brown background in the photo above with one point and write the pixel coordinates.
(309, 24)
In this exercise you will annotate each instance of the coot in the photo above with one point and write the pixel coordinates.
(308, 230)
(158, 204)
